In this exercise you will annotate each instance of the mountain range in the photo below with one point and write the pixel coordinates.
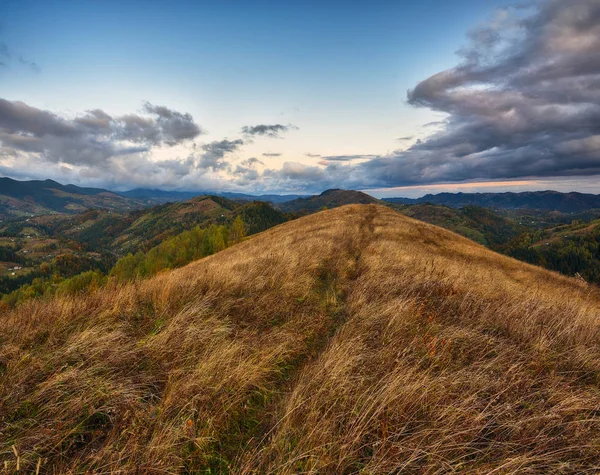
(40, 197)
(540, 200)
(32, 198)
(37, 197)
(161, 196)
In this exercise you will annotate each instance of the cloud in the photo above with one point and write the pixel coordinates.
(246, 172)
(174, 126)
(93, 138)
(269, 154)
(347, 158)
(298, 172)
(404, 139)
(312, 155)
(214, 153)
(436, 123)
(524, 102)
(161, 126)
(252, 161)
(273, 131)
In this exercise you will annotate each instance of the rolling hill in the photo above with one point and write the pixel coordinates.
(327, 199)
(480, 224)
(31, 198)
(355, 340)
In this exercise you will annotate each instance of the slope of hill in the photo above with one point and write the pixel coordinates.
(573, 249)
(480, 224)
(542, 200)
(153, 224)
(328, 199)
(355, 340)
(27, 198)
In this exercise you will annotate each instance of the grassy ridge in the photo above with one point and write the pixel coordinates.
(350, 341)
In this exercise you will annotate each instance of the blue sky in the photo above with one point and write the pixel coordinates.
(335, 73)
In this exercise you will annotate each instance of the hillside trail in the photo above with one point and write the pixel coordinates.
(445, 351)
(334, 286)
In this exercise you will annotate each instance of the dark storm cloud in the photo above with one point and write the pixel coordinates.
(19, 118)
(273, 131)
(162, 126)
(214, 153)
(93, 138)
(174, 126)
(525, 102)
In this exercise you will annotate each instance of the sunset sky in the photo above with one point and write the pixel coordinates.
(392, 97)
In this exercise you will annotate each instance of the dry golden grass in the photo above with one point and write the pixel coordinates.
(355, 340)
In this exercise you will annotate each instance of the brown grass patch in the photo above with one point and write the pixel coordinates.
(352, 341)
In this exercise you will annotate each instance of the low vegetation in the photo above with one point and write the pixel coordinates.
(355, 340)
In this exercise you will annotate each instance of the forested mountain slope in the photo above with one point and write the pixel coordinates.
(37, 197)
(540, 200)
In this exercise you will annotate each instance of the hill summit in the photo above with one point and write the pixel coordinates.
(355, 340)
(329, 199)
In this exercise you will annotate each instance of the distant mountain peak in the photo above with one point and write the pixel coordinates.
(332, 198)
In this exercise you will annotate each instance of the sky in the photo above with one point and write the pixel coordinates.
(397, 98)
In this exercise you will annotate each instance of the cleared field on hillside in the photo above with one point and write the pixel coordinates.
(355, 340)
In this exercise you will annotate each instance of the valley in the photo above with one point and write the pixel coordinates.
(38, 253)
(51, 248)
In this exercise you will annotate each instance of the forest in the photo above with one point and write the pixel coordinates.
(171, 253)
